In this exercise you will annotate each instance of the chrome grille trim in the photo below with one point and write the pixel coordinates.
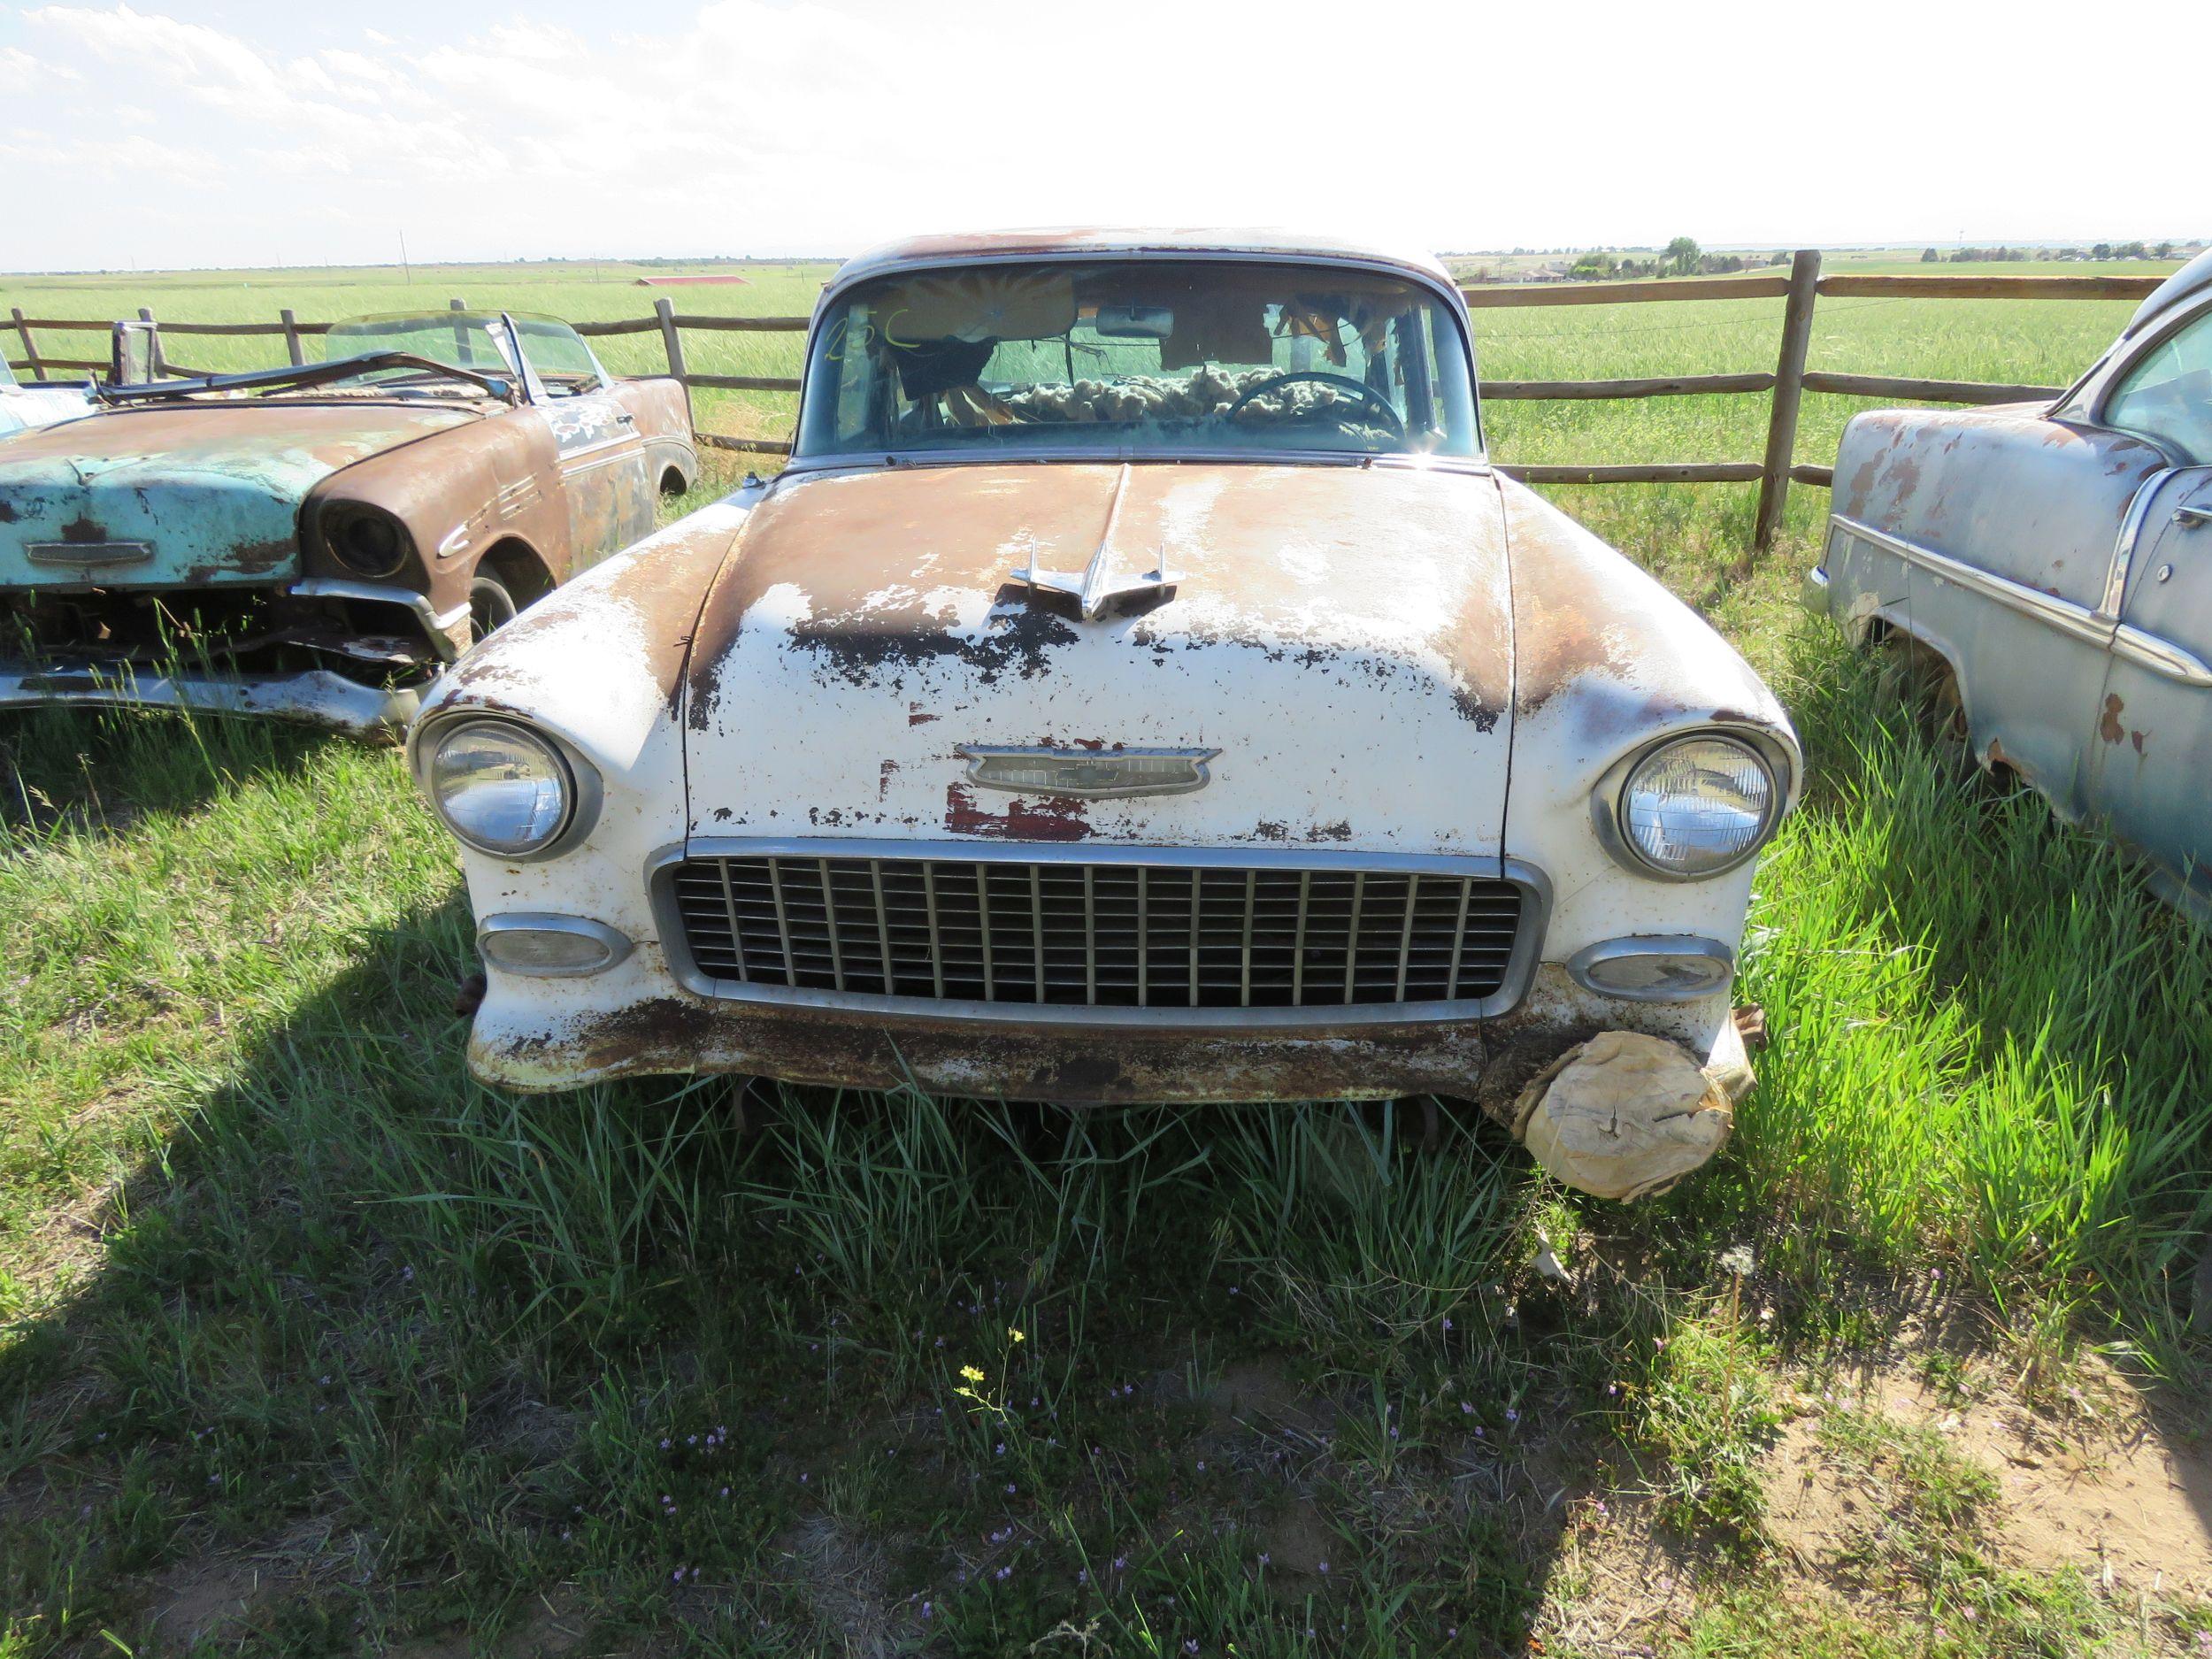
(867, 924)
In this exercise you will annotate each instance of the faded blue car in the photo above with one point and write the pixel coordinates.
(2051, 565)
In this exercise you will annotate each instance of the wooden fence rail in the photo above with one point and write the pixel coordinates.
(1799, 289)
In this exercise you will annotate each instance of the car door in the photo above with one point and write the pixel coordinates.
(2154, 722)
(605, 476)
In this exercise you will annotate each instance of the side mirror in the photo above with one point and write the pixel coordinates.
(133, 355)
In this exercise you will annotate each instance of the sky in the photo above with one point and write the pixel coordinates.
(273, 132)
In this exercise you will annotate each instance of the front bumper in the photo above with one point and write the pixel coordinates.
(541, 1034)
(314, 697)
(1812, 591)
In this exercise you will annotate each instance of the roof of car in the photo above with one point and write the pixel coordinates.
(2192, 278)
(958, 247)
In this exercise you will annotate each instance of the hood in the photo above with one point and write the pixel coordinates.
(183, 494)
(1340, 635)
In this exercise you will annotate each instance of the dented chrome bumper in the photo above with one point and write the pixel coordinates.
(1812, 590)
(313, 696)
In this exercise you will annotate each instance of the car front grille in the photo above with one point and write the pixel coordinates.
(1106, 934)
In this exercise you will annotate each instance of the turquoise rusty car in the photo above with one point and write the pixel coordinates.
(2047, 569)
(316, 542)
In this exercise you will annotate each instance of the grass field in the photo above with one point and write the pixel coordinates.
(313, 1347)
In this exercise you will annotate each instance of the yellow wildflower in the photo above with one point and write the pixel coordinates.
(971, 1373)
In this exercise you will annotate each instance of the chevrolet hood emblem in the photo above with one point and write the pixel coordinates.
(1086, 774)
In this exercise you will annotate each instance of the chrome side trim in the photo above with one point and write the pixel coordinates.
(91, 554)
(2161, 656)
(616, 945)
(1520, 969)
(2065, 615)
(2116, 585)
(1656, 947)
(377, 594)
(2123, 639)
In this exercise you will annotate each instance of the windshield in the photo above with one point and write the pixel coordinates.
(468, 340)
(1141, 356)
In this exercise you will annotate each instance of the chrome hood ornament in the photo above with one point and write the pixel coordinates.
(1096, 586)
(1086, 774)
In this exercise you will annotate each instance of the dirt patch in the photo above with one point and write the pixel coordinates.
(843, 1579)
(206, 1599)
(1261, 1396)
(2106, 1491)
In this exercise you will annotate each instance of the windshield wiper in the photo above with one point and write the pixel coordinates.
(305, 375)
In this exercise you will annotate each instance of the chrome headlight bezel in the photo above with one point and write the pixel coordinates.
(350, 532)
(580, 779)
(1608, 800)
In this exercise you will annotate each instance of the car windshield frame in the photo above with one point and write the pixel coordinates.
(405, 332)
(820, 381)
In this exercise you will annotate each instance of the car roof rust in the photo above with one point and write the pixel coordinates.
(955, 248)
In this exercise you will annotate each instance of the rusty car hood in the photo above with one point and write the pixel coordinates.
(185, 494)
(1342, 635)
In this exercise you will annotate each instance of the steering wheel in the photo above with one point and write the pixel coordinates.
(1366, 394)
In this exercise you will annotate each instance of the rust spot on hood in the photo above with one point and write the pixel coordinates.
(1043, 818)
(876, 572)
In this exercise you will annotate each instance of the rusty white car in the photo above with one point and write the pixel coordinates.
(316, 542)
(1140, 686)
(2050, 566)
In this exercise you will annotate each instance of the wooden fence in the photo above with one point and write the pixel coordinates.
(1799, 289)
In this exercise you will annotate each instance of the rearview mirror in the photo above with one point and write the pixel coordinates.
(1134, 322)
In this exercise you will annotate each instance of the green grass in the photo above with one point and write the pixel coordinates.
(312, 1346)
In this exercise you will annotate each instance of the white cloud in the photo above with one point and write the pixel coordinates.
(752, 126)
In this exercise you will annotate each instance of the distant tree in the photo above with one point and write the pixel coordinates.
(1593, 267)
(1929, 256)
(2165, 250)
(2130, 251)
(1680, 257)
(2102, 250)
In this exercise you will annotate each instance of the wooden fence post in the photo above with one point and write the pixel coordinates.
(671, 338)
(30, 347)
(1789, 388)
(291, 336)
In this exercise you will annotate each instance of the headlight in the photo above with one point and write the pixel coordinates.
(1697, 806)
(502, 789)
(366, 542)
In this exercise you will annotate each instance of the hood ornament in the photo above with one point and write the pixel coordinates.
(1086, 774)
(1095, 586)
